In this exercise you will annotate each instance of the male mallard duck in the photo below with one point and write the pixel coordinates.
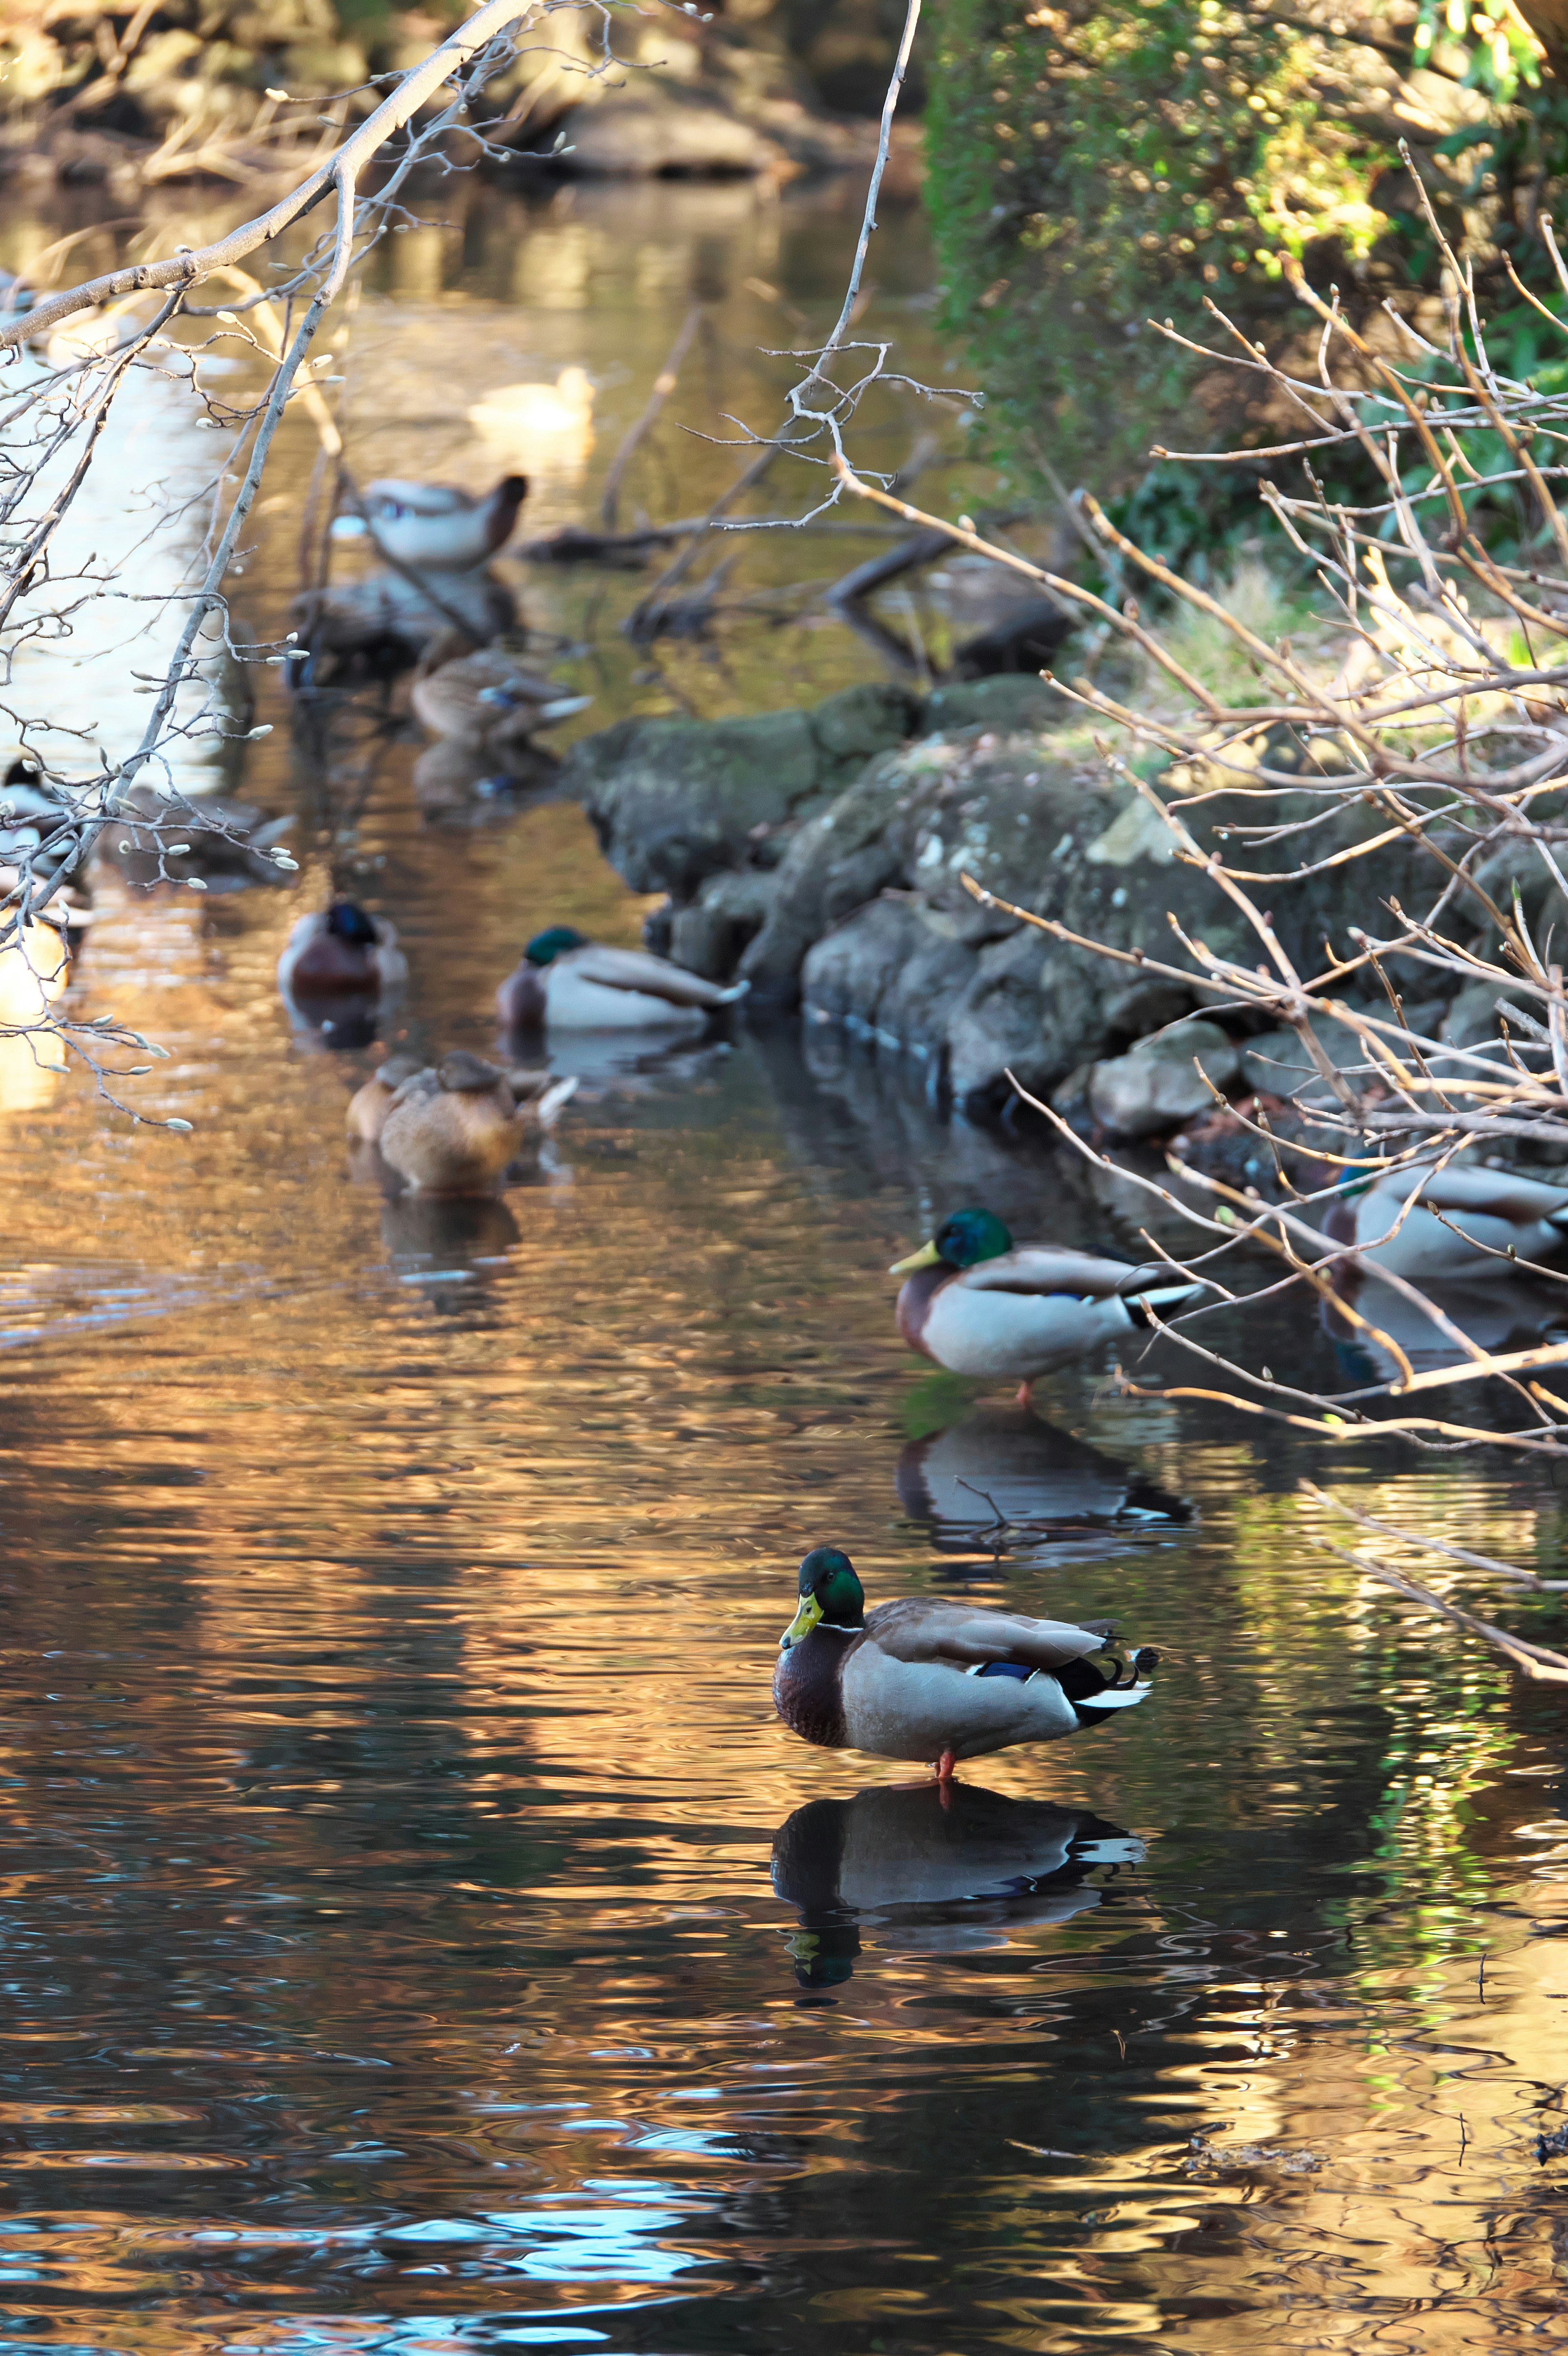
(930, 1679)
(434, 527)
(1459, 1222)
(341, 952)
(454, 1129)
(980, 1306)
(567, 982)
(488, 701)
(369, 1105)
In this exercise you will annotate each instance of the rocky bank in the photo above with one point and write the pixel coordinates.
(819, 854)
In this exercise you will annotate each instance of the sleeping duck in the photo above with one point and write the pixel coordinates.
(1460, 1221)
(568, 982)
(927, 1678)
(341, 952)
(488, 702)
(434, 527)
(369, 1106)
(980, 1306)
(453, 1130)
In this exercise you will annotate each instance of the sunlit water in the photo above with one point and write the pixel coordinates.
(418, 1931)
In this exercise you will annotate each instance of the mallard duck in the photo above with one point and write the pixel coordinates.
(567, 982)
(927, 1678)
(434, 527)
(453, 1130)
(1464, 1222)
(488, 702)
(369, 1105)
(979, 1305)
(341, 952)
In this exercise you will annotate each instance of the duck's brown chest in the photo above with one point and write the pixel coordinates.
(807, 1694)
(915, 1297)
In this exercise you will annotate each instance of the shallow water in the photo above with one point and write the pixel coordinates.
(397, 1807)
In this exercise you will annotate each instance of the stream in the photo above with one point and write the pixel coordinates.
(394, 1800)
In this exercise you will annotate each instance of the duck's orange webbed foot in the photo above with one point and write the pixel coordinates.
(946, 1766)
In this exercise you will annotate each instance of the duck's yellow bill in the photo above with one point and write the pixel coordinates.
(926, 1257)
(805, 1620)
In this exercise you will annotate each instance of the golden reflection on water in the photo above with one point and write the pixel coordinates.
(391, 1955)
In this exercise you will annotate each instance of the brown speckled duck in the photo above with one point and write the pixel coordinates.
(453, 1130)
(926, 1678)
(488, 702)
(369, 1106)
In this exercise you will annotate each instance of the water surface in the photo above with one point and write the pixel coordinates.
(418, 1933)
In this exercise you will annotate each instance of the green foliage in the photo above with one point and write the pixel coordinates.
(1098, 160)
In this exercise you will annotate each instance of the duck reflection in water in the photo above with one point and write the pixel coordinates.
(934, 1873)
(1498, 1317)
(446, 1248)
(1000, 1478)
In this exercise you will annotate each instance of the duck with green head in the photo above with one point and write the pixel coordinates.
(928, 1678)
(980, 1304)
(564, 981)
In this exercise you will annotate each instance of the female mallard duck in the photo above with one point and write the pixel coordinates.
(454, 1129)
(342, 952)
(930, 1679)
(979, 1306)
(488, 702)
(1463, 1222)
(568, 982)
(434, 527)
(369, 1106)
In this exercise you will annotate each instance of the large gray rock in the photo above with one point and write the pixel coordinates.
(709, 936)
(1277, 1063)
(1164, 1080)
(673, 801)
(866, 915)
(837, 861)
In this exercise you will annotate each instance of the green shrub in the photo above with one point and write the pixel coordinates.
(1100, 161)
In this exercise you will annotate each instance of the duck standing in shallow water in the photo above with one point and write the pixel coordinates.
(930, 1680)
(1463, 1222)
(454, 1128)
(434, 527)
(567, 982)
(980, 1305)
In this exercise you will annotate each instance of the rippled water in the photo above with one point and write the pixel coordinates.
(417, 1929)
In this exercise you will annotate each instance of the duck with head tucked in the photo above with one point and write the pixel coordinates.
(452, 1128)
(979, 1304)
(369, 1105)
(567, 982)
(1461, 1224)
(927, 1678)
